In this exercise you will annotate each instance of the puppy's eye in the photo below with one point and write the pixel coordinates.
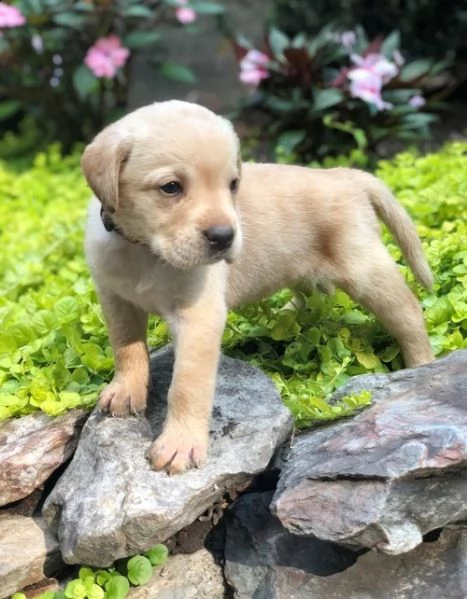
(234, 185)
(171, 188)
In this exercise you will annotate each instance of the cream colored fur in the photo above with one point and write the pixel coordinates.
(294, 227)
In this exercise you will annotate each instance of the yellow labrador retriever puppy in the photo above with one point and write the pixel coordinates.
(179, 227)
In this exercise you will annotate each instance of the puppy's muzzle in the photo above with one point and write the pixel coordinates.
(220, 238)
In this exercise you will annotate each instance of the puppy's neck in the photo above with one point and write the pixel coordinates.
(111, 227)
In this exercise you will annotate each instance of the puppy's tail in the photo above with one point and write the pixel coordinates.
(402, 228)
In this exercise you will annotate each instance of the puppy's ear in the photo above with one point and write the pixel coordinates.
(102, 162)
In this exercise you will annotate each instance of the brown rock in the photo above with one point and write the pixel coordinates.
(32, 447)
(28, 553)
(194, 576)
(390, 474)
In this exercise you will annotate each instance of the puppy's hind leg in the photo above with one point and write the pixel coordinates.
(378, 285)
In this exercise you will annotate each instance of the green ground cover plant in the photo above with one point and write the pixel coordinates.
(110, 583)
(54, 352)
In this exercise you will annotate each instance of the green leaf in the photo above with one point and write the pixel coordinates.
(67, 309)
(83, 6)
(117, 587)
(85, 573)
(178, 72)
(157, 555)
(367, 359)
(390, 44)
(69, 19)
(138, 10)
(32, 7)
(102, 576)
(96, 592)
(84, 82)
(139, 570)
(290, 139)
(139, 39)
(418, 120)
(9, 108)
(75, 589)
(325, 98)
(278, 41)
(414, 70)
(207, 8)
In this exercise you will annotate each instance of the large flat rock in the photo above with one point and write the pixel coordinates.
(264, 560)
(110, 504)
(32, 447)
(28, 553)
(390, 474)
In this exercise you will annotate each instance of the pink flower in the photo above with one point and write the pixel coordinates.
(185, 14)
(10, 16)
(368, 78)
(366, 85)
(37, 43)
(253, 68)
(417, 101)
(398, 58)
(377, 64)
(348, 38)
(106, 56)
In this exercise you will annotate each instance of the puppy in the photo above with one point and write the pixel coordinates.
(179, 227)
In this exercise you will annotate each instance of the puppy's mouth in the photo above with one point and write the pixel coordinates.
(218, 255)
(201, 249)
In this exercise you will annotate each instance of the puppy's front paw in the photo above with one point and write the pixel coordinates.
(177, 449)
(123, 397)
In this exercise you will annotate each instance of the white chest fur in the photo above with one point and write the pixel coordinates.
(133, 273)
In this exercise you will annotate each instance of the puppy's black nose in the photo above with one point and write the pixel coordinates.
(220, 238)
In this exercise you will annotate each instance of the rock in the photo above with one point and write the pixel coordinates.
(194, 576)
(28, 553)
(110, 504)
(36, 591)
(264, 560)
(390, 474)
(32, 447)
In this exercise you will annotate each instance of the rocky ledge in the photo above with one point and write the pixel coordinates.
(369, 507)
(110, 503)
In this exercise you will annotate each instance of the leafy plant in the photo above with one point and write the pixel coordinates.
(54, 351)
(338, 92)
(109, 583)
(63, 58)
(139, 570)
(157, 555)
(427, 28)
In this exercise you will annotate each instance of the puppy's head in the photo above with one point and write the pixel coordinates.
(168, 175)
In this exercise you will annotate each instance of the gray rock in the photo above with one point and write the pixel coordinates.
(194, 576)
(110, 503)
(32, 447)
(28, 553)
(390, 474)
(264, 560)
